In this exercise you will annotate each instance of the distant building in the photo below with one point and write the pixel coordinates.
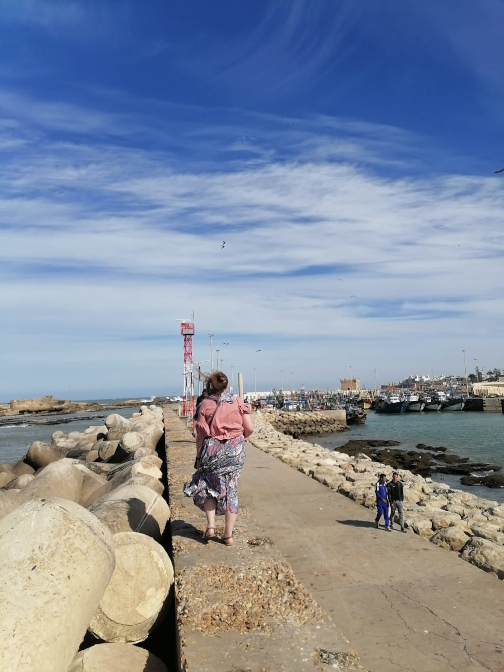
(486, 388)
(350, 384)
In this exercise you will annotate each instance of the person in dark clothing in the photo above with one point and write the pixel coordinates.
(382, 501)
(202, 397)
(395, 492)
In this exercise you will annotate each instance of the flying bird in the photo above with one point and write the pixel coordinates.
(499, 171)
(223, 244)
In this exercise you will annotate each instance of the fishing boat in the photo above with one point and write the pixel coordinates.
(355, 416)
(454, 404)
(414, 403)
(393, 403)
(434, 402)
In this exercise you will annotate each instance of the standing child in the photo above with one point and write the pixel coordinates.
(382, 501)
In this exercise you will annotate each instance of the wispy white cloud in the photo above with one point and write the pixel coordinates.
(103, 244)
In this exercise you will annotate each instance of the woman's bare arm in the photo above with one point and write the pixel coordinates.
(248, 426)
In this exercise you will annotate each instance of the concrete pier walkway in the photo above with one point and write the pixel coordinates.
(403, 603)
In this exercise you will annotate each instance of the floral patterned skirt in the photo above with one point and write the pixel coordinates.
(220, 468)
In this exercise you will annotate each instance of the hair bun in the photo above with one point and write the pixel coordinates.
(217, 382)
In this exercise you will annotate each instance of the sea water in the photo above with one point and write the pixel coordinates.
(478, 436)
(15, 440)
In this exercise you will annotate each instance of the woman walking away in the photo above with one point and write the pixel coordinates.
(223, 424)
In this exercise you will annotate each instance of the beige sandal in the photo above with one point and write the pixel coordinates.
(209, 536)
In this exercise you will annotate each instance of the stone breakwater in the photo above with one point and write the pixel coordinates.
(81, 520)
(457, 521)
(315, 422)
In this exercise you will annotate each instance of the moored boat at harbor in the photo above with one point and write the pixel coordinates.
(355, 416)
(414, 403)
(434, 402)
(454, 404)
(393, 403)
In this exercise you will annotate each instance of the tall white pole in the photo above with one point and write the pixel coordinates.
(465, 375)
(217, 351)
(232, 377)
(211, 353)
(240, 385)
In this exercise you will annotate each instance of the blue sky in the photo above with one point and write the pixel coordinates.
(344, 151)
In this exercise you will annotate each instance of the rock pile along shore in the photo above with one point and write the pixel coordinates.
(304, 422)
(458, 521)
(80, 523)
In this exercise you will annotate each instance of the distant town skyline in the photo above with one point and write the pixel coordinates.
(345, 152)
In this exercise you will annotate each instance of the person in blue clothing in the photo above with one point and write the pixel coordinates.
(382, 501)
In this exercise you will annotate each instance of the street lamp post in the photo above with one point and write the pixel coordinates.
(465, 374)
(211, 353)
(198, 364)
(232, 377)
(217, 351)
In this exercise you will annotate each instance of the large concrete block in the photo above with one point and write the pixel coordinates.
(116, 658)
(137, 592)
(41, 454)
(56, 560)
(107, 449)
(118, 481)
(117, 421)
(9, 501)
(20, 482)
(133, 508)
(6, 477)
(91, 482)
(59, 479)
(21, 467)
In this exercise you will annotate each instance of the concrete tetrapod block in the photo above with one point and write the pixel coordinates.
(9, 501)
(116, 420)
(56, 560)
(107, 449)
(6, 477)
(150, 465)
(116, 658)
(137, 592)
(91, 482)
(133, 508)
(59, 479)
(20, 482)
(41, 454)
(21, 467)
(118, 481)
(151, 435)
